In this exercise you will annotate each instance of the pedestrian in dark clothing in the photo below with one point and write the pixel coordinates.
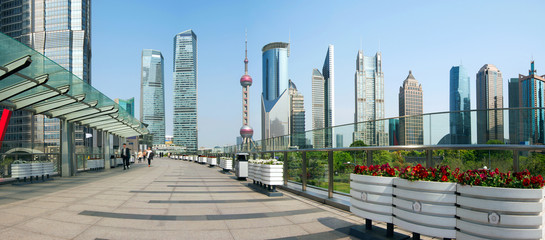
(150, 156)
(126, 156)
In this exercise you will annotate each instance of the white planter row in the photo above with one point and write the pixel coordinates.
(272, 175)
(212, 161)
(437, 208)
(226, 164)
(31, 169)
(95, 164)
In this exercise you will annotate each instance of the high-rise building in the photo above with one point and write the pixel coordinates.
(323, 101)
(318, 109)
(60, 30)
(489, 100)
(185, 90)
(411, 105)
(127, 104)
(369, 96)
(152, 94)
(460, 104)
(297, 117)
(275, 99)
(527, 125)
(393, 131)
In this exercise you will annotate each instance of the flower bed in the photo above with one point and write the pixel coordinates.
(475, 204)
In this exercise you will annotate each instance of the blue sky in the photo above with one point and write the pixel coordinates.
(427, 37)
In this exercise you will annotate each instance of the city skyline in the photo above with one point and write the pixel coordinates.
(430, 54)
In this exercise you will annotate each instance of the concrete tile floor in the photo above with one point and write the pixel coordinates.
(170, 200)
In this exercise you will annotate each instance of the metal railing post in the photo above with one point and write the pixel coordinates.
(286, 163)
(515, 160)
(304, 172)
(429, 154)
(369, 157)
(330, 175)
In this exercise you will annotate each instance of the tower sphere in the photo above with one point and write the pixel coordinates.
(246, 80)
(246, 131)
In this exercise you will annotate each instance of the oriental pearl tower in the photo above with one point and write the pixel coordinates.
(246, 132)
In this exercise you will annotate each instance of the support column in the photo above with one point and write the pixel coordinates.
(429, 162)
(68, 165)
(106, 145)
(304, 172)
(515, 160)
(369, 157)
(330, 174)
(286, 168)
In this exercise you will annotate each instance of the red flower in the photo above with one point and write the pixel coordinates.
(444, 178)
(526, 182)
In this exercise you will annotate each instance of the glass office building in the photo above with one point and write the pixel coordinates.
(127, 104)
(275, 99)
(489, 96)
(528, 126)
(297, 105)
(185, 90)
(152, 94)
(410, 104)
(460, 123)
(369, 104)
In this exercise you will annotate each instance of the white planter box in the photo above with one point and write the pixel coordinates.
(204, 160)
(36, 169)
(500, 213)
(49, 168)
(372, 197)
(226, 164)
(272, 174)
(251, 171)
(20, 170)
(213, 161)
(425, 207)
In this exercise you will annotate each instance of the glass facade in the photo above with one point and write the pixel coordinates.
(489, 96)
(532, 93)
(369, 106)
(127, 104)
(152, 94)
(297, 116)
(275, 99)
(410, 103)
(460, 123)
(185, 90)
(318, 102)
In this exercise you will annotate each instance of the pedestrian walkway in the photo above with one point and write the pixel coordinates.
(169, 200)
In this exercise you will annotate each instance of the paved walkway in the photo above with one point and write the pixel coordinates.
(170, 200)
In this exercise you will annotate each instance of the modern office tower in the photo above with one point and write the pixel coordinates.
(60, 30)
(297, 117)
(246, 132)
(411, 105)
(323, 101)
(514, 114)
(531, 94)
(369, 96)
(393, 131)
(152, 94)
(318, 109)
(275, 99)
(460, 122)
(127, 104)
(489, 98)
(339, 140)
(185, 90)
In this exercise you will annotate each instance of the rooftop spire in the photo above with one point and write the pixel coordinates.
(246, 52)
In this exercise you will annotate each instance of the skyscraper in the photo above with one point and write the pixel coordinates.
(514, 114)
(185, 90)
(369, 96)
(318, 109)
(323, 100)
(275, 99)
(460, 122)
(152, 94)
(410, 103)
(297, 117)
(60, 30)
(489, 97)
(531, 123)
(127, 104)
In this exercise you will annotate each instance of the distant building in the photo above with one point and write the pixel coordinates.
(393, 131)
(489, 98)
(127, 104)
(528, 125)
(186, 91)
(297, 117)
(460, 122)
(411, 105)
(514, 114)
(152, 94)
(275, 99)
(323, 101)
(339, 140)
(318, 113)
(369, 104)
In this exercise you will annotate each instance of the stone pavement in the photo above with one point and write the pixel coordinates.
(170, 200)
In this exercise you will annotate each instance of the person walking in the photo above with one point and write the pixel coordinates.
(126, 156)
(150, 156)
(140, 155)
